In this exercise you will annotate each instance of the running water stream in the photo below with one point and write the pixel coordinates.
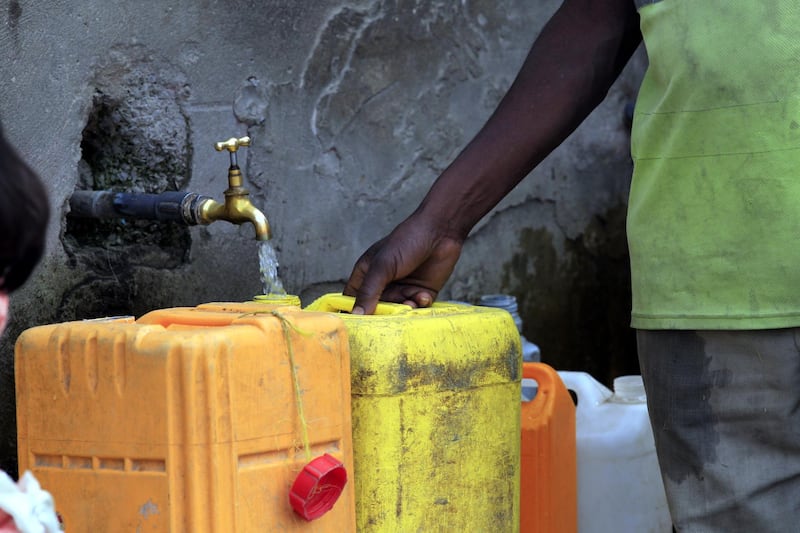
(268, 266)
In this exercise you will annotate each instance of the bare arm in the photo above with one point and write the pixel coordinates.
(568, 72)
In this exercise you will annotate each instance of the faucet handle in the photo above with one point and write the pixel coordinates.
(232, 144)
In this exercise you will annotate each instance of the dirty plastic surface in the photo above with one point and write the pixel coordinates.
(436, 416)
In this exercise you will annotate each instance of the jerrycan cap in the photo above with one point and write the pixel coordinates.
(317, 487)
(629, 389)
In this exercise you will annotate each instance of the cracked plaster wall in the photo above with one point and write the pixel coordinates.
(353, 108)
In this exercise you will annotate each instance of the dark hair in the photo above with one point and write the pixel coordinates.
(24, 211)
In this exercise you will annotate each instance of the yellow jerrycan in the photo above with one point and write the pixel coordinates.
(436, 416)
(191, 421)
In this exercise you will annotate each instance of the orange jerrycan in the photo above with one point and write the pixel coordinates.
(436, 416)
(188, 421)
(548, 482)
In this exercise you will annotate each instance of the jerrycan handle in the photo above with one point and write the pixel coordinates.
(339, 303)
(552, 394)
(590, 392)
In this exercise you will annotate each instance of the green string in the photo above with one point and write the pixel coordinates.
(287, 326)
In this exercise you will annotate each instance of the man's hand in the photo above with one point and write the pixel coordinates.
(409, 266)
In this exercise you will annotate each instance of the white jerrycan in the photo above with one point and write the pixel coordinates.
(619, 484)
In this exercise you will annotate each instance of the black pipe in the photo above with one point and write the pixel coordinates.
(171, 206)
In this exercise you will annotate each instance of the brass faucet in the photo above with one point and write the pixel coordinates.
(237, 208)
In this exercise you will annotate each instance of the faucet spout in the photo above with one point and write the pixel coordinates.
(237, 209)
(260, 223)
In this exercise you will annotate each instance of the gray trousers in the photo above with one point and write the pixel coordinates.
(725, 410)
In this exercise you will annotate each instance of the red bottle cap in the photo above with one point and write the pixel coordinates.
(317, 487)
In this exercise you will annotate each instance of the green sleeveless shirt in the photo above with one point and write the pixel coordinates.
(714, 210)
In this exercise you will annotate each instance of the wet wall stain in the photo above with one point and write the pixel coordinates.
(576, 307)
(14, 16)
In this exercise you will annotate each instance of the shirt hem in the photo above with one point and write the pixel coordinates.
(715, 322)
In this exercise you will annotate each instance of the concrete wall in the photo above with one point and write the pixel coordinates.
(353, 107)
